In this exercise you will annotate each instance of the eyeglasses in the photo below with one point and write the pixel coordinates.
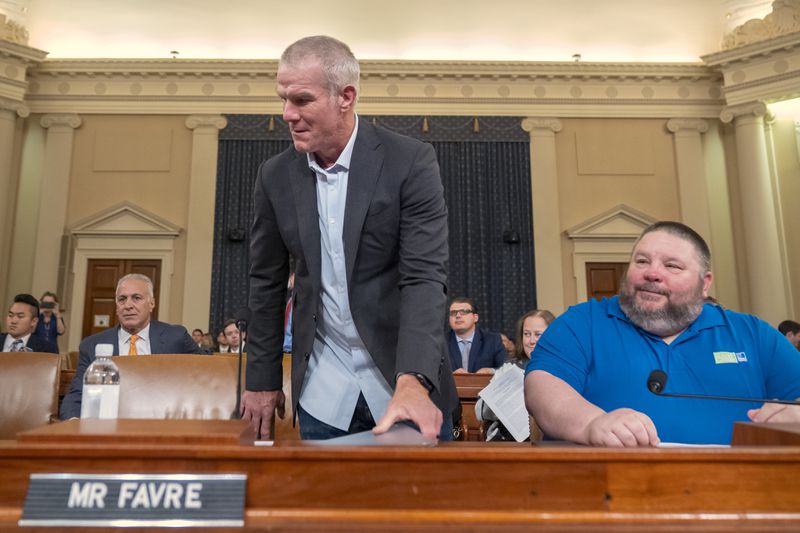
(458, 312)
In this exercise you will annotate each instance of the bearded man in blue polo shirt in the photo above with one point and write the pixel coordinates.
(587, 379)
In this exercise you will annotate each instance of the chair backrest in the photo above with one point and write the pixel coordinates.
(73, 360)
(177, 386)
(28, 391)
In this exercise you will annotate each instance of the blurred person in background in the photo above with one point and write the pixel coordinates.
(51, 323)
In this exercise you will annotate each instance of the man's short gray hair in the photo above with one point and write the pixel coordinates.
(139, 277)
(339, 65)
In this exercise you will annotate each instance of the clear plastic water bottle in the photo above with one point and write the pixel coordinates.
(101, 385)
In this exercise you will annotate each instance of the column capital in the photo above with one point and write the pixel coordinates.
(206, 121)
(542, 123)
(70, 120)
(698, 125)
(19, 108)
(755, 109)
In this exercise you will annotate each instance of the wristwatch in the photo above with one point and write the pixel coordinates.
(425, 382)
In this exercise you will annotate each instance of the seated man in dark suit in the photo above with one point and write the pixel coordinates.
(472, 350)
(136, 334)
(23, 315)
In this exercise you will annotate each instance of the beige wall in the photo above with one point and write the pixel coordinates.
(143, 160)
(606, 162)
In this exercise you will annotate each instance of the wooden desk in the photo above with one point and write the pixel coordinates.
(458, 486)
(468, 387)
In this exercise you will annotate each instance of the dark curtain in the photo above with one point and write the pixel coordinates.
(485, 166)
(488, 194)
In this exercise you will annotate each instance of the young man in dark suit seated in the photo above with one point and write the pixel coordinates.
(136, 334)
(23, 315)
(472, 350)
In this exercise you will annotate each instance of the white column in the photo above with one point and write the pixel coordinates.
(765, 275)
(200, 226)
(53, 200)
(546, 219)
(9, 111)
(692, 189)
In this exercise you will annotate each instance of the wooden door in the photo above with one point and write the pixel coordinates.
(603, 279)
(99, 311)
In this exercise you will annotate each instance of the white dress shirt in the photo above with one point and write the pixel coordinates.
(11, 340)
(340, 368)
(142, 342)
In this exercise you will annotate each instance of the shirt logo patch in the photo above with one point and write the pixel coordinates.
(741, 357)
(722, 358)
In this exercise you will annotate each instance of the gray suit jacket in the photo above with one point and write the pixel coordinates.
(395, 245)
(164, 338)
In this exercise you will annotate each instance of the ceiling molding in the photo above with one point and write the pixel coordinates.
(387, 87)
(767, 70)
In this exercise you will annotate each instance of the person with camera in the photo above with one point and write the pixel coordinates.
(51, 323)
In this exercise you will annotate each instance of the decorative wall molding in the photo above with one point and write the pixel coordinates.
(694, 125)
(12, 31)
(767, 70)
(621, 222)
(125, 220)
(533, 123)
(206, 121)
(19, 108)
(785, 18)
(15, 61)
(605, 238)
(543, 89)
(756, 109)
(70, 120)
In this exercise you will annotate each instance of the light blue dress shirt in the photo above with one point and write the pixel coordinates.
(340, 367)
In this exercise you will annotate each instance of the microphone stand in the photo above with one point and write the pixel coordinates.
(237, 412)
(657, 382)
(241, 325)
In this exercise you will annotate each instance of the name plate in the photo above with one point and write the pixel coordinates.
(157, 500)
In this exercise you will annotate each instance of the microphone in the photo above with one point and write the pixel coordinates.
(243, 316)
(657, 382)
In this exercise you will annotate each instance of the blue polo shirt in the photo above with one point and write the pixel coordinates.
(602, 355)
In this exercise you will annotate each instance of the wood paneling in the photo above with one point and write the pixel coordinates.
(603, 279)
(458, 486)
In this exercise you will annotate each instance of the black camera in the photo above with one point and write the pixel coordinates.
(47, 305)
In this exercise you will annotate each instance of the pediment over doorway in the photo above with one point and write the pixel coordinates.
(125, 219)
(620, 222)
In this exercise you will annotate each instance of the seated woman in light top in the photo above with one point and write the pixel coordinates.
(529, 328)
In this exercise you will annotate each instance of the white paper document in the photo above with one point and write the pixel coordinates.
(398, 435)
(505, 396)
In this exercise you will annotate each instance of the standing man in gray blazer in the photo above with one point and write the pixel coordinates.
(362, 211)
(136, 334)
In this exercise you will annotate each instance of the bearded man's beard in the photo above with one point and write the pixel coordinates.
(671, 319)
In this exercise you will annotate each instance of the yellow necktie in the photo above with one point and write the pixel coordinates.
(132, 349)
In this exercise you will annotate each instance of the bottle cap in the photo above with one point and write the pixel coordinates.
(104, 350)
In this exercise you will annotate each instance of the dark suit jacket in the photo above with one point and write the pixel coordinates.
(35, 343)
(395, 247)
(164, 338)
(487, 351)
